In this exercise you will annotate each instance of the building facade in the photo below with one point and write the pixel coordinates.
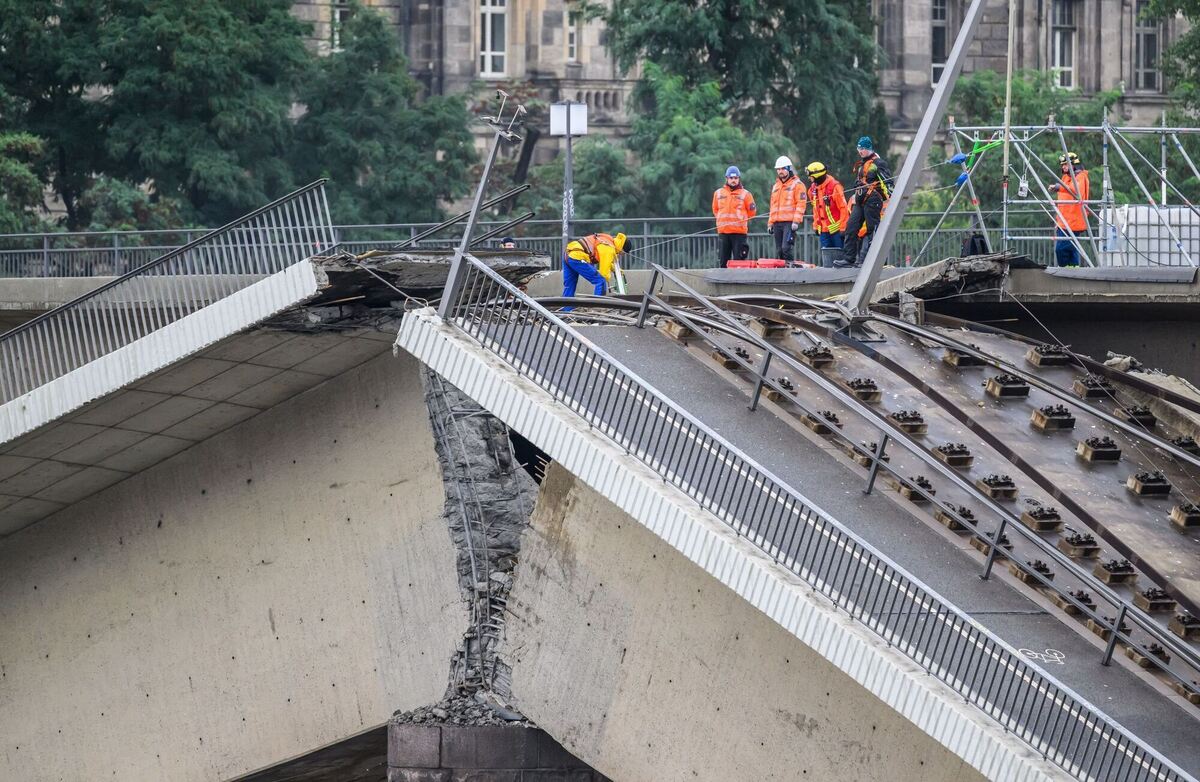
(1090, 45)
(457, 45)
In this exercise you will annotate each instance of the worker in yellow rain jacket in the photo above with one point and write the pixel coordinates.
(592, 257)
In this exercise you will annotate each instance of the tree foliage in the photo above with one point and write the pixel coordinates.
(20, 188)
(195, 104)
(680, 144)
(198, 101)
(391, 157)
(804, 68)
(978, 99)
(48, 64)
(1182, 60)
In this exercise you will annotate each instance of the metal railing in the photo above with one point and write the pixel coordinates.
(871, 588)
(1120, 610)
(685, 242)
(165, 290)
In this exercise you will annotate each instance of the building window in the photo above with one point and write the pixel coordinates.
(339, 13)
(1146, 36)
(940, 51)
(492, 37)
(573, 33)
(1062, 42)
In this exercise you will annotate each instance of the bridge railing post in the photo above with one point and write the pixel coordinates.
(1114, 631)
(996, 537)
(763, 368)
(878, 457)
(641, 320)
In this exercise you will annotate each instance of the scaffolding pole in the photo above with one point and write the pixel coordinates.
(1042, 185)
(1150, 198)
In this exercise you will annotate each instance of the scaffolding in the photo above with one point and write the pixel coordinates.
(1161, 230)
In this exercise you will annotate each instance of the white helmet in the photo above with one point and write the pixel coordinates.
(783, 162)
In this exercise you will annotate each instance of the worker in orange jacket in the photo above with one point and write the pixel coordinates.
(733, 206)
(788, 202)
(830, 212)
(1073, 193)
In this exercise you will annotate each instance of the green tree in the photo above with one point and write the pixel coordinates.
(48, 62)
(685, 141)
(804, 68)
(198, 98)
(1182, 60)
(113, 205)
(978, 99)
(20, 188)
(680, 144)
(392, 157)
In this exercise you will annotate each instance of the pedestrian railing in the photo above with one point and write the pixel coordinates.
(165, 290)
(871, 588)
(686, 242)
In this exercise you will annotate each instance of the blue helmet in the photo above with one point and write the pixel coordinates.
(732, 171)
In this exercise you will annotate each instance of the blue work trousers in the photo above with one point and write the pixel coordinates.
(1065, 251)
(573, 270)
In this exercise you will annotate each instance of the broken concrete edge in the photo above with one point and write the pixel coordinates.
(892, 677)
(401, 275)
(159, 349)
(479, 471)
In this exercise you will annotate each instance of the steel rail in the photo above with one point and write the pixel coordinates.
(775, 518)
(1166, 639)
(1083, 362)
(1120, 605)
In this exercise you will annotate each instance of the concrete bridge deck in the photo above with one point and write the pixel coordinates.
(944, 561)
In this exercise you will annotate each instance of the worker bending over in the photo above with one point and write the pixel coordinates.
(1073, 193)
(788, 201)
(593, 258)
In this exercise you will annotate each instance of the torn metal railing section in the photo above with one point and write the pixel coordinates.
(872, 589)
(167, 290)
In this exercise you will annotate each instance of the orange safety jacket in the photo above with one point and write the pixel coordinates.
(1071, 212)
(830, 212)
(788, 201)
(733, 210)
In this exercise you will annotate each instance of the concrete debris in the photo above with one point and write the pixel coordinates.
(466, 710)
(1123, 363)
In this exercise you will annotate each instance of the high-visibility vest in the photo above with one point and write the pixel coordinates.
(733, 210)
(1071, 212)
(829, 206)
(788, 201)
(600, 250)
(590, 243)
(869, 178)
